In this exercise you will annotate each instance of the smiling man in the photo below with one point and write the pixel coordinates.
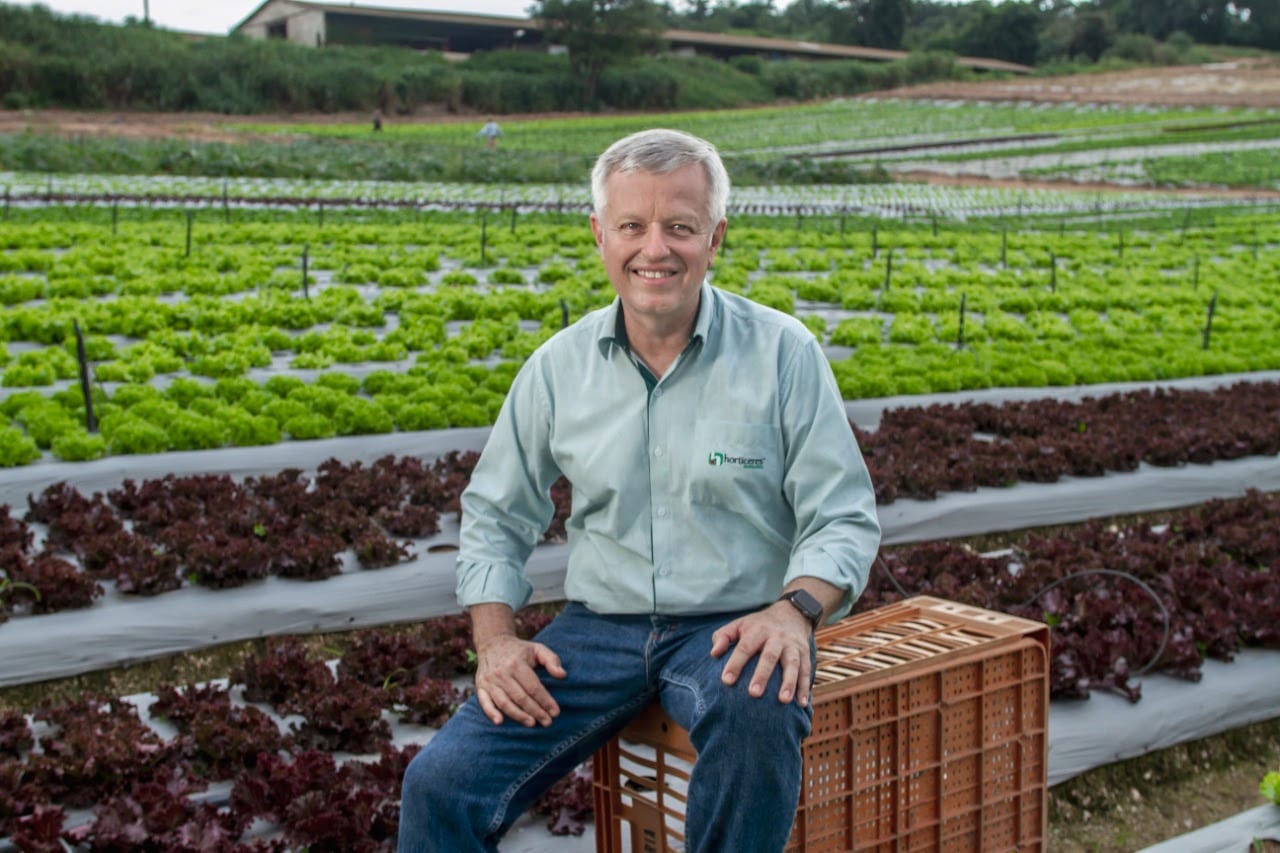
(721, 512)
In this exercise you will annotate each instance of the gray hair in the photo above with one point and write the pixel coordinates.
(661, 152)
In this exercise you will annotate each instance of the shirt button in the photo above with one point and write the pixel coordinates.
(664, 572)
(657, 392)
(662, 512)
(657, 451)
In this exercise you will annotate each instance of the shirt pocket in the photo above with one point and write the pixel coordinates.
(736, 465)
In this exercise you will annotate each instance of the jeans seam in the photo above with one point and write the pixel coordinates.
(699, 706)
(562, 747)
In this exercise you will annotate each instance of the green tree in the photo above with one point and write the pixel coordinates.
(1204, 20)
(1255, 22)
(1009, 31)
(882, 23)
(599, 33)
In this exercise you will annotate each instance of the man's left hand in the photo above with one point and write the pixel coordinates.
(777, 634)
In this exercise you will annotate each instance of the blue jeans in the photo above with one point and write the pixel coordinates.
(473, 779)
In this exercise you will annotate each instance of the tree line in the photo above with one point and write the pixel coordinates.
(77, 62)
(1032, 32)
(614, 57)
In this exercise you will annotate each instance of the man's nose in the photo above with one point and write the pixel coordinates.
(655, 243)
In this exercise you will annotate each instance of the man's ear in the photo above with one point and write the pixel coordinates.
(717, 236)
(597, 231)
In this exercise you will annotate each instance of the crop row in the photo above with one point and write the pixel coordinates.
(98, 751)
(886, 200)
(1240, 167)
(1213, 572)
(437, 328)
(812, 127)
(213, 532)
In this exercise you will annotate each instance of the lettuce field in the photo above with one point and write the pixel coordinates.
(214, 329)
(204, 301)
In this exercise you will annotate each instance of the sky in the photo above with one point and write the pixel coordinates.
(219, 16)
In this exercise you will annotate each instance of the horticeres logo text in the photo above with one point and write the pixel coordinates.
(718, 458)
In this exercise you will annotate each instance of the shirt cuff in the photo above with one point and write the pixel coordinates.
(487, 583)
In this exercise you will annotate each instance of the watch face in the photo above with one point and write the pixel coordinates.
(806, 604)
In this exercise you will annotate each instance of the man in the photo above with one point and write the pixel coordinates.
(713, 470)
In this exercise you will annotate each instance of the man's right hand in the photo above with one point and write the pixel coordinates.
(507, 683)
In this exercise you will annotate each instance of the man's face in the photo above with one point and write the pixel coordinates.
(657, 240)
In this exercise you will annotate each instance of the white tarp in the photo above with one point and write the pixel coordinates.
(126, 629)
(1233, 835)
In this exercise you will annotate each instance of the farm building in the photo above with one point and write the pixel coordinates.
(318, 24)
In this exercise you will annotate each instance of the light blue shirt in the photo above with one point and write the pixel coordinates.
(705, 491)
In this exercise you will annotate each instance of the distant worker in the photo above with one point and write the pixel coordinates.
(490, 133)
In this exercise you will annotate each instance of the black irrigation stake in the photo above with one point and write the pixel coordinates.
(1053, 273)
(1004, 246)
(934, 220)
(888, 270)
(1120, 246)
(226, 202)
(90, 420)
(484, 237)
(320, 212)
(190, 216)
(1195, 272)
(564, 314)
(1208, 324)
(1255, 242)
(306, 249)
(960, 328)
(115, 215)
(513, 219)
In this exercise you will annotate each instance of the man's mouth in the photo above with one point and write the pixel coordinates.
(652, 275)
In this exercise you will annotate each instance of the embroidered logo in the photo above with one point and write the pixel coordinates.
(749, 462)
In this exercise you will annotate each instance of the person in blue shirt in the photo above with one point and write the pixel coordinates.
(490, 133)
(721, 511)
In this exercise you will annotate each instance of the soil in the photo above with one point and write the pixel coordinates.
(1241, 83)
(1138, 803)
(1122, 807)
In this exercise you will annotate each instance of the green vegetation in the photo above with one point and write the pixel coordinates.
(615, 56)
(770, 145)
(48, 60)
(1270, 787)
(403, 326)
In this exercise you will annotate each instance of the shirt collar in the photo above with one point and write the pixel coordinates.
(613, 331)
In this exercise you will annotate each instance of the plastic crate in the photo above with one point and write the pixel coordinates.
(929, 733)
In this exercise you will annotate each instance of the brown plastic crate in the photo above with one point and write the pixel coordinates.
(929, 733)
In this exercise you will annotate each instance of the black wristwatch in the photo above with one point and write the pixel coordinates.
(806, 604)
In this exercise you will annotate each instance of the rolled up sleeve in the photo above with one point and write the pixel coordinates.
(506, 505)
(827, 483)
